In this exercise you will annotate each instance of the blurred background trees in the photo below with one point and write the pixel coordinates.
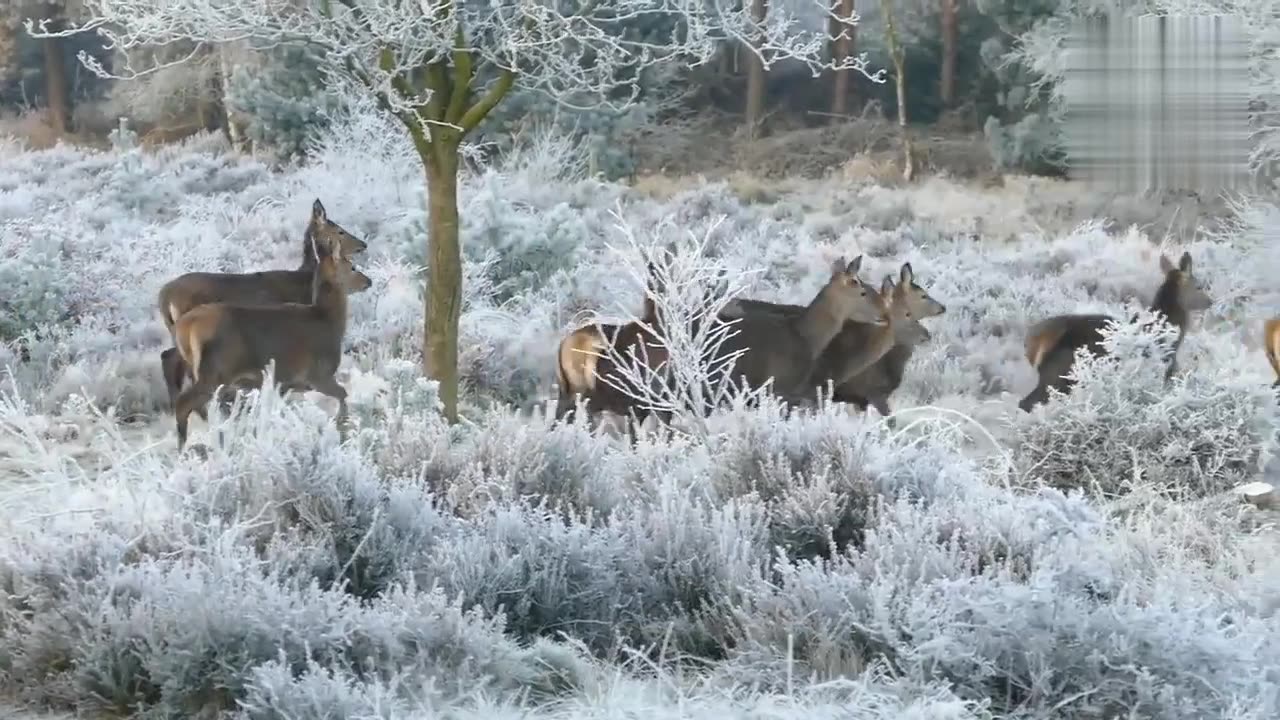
(270, 101)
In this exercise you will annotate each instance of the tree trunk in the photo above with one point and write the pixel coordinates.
(900, 85)
(843, 47)
(947, 81)
(57, 86)
(755, 75)
(444, 284)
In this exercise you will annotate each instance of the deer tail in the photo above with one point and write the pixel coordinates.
(194, 347)
(1271, 343)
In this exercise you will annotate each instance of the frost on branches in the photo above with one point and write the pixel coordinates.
(689, 290)
(392, 48)
(1121, 427)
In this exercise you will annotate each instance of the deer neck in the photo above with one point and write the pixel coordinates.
(330, 301)
(818, 325)
(308, 251)
(1168, 303)
(879, 342)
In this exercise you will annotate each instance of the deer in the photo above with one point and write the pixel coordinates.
(227, 343)
(583, 360)
(180, 295)
(1271, 345)
(786, 347)
(866, 362)
(1051, 344)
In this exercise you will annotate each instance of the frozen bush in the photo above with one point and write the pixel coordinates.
(281, 96)
(1121, 426)
(810, 564)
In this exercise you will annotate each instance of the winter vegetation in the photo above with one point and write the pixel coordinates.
(973, 562)
(463, 553)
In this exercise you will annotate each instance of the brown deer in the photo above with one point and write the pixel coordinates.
(1051, 344)
(1271, 345)
(786, 347)
(853, 359)
(264, 288)
(582, 360)
(877, 383)
(227, 343)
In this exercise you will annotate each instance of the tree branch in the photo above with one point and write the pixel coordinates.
(438, 83)
(463, 71)
(476, 113)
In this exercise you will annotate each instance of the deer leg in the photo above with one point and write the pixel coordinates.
(174, 370)
(881, 404)
(329, 386)
(1173, 368)
(566, 406)
(1053, 372)
(1035, 397)
(192, 398)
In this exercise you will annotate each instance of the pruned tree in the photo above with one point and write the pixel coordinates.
(898, 57)
(427, 63)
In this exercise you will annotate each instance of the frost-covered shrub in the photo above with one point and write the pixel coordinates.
(282, 98)
(38, 289)
(1121, 426)
(1033, 143)
(600, 130)
(773, 565)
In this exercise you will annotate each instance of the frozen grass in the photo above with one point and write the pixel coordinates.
(1081, 562)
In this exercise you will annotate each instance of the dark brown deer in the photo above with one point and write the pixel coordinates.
(785, 348)
(270, 287)
(1051, 344)
(877, 383)
(228, 344)
(583, 359)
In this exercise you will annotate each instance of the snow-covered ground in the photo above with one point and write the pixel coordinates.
(1086, 560)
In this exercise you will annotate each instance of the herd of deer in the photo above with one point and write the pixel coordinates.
(227, 327)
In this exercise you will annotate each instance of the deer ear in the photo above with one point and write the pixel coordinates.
(886, 286)
(906, 275)
(1185, 263)
(855, 266)
(837, 265)
(1165, 265)
(317, 210)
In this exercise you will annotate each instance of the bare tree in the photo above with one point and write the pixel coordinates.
(897, 55)
(427, 63)
(755, 74)
(683, 373)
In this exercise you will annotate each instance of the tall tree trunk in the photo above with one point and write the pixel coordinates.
(755, 75)
(230, 128)
(444, 284)
(947, 81)
(900, 85)
(57, 86)
(845, 38)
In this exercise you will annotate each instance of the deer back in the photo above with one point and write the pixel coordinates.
(221, 341)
